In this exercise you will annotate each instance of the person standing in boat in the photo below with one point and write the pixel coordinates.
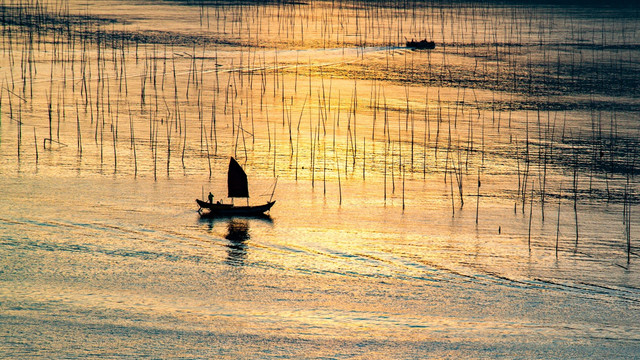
(210, 198)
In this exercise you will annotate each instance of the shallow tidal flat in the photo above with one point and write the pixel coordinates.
(477, 200)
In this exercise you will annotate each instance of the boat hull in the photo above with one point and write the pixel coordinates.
(231, 210)
(421, 45)
(212, 206)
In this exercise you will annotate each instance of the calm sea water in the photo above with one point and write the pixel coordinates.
(369, 251)
(107, 267)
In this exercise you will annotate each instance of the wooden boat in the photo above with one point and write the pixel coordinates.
(230, 209)
(421, 45)
(237, 187)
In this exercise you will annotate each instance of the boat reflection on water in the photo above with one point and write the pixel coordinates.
(238, 233)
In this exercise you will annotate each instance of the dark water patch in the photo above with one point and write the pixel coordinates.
(553, 4)
(39, 223)
(236, 3)
(396, 4)
(37, 16)
(539, 83)
(97, 227)
(594, 196)
(616, 155)
(588, 289)
(95, 29)
(92, 249)
(498, 50)
(162, 38)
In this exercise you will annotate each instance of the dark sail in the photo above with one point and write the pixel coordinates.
(237, 181)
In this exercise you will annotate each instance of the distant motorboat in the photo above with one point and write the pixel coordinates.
(421, 45)
(238, 187)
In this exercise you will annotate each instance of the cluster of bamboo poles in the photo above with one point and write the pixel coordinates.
(239, 92)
